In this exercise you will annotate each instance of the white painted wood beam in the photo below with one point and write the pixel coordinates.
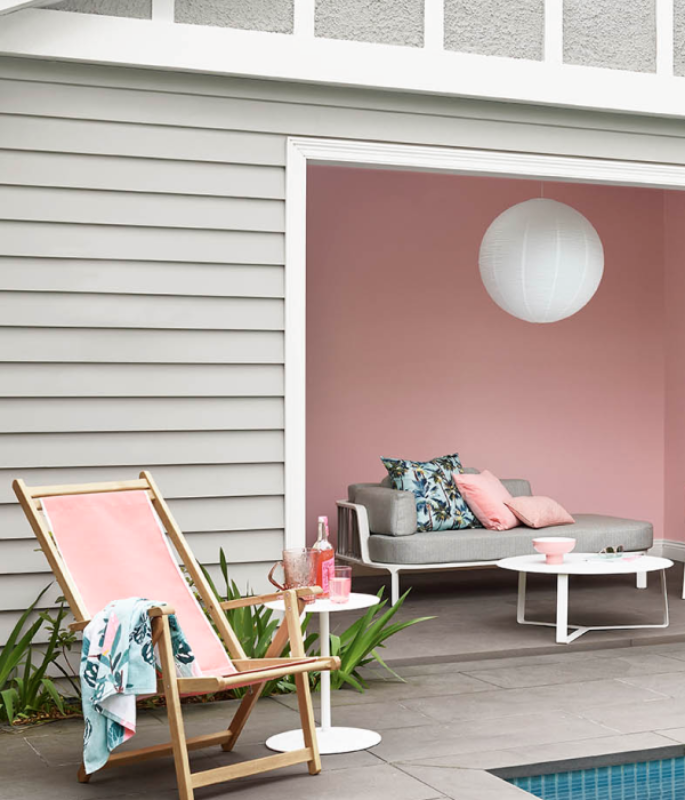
(664, 37)
(90, 38)
(8, 6)
(303, 21)
(163, 10)
(554, 31)
(434, 25)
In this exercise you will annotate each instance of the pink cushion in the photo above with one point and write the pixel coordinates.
(487, 497)
(539, 512)
(114, 548)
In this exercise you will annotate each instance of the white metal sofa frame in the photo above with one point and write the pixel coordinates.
(353, 547)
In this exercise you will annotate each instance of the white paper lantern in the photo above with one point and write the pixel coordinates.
(541, 260)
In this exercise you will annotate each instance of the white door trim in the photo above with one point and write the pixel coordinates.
(303, 151)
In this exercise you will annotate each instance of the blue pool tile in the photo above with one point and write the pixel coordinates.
(646, 780)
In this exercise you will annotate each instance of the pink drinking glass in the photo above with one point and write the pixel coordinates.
(340, 584)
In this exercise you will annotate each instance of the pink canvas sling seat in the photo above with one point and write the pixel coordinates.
(114, 547)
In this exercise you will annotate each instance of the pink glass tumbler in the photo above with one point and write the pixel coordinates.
(340, 584)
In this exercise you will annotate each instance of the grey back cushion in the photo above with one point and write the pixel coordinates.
(393, 512)
(517, 487)
(390, 512)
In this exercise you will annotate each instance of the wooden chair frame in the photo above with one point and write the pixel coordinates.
(260, 670)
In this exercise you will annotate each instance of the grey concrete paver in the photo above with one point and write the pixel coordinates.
(498, 733)
(543, 753)
(501, 702)
(674, 734)
(589, 669)
(445, 682)
(653, 715)
(466, 784)
(671, 684)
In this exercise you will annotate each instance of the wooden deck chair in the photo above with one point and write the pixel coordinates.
(104, 543)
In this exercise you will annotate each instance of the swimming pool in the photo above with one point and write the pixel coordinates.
(644, 780)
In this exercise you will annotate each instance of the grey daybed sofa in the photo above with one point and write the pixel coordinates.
(377, 528)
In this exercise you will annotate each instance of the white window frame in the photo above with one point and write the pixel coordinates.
(301, 152)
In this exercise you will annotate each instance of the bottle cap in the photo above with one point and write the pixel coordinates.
(323, 519)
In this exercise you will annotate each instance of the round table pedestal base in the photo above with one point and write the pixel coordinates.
(331, 740)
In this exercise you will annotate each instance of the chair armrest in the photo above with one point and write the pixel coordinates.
(155, 611)
(255, 600)
(391, 512)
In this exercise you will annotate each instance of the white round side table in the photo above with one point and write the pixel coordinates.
(583, 564)
(330, 739)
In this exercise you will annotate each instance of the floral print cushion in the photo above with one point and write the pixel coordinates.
(439, 505)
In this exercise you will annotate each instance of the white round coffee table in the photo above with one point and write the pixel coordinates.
(582, 564)
(331, 740)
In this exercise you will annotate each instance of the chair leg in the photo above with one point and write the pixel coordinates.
(304, 702)
(173, 703)
(83, 776)
(394, 587)
(242, 715)
(274, 650)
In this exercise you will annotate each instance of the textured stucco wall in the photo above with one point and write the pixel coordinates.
(513, 28)
(679, 37)
(141, 9)
(609, 33)
(383, 21)
(275, 16)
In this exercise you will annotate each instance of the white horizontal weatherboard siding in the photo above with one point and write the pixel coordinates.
(141, 319)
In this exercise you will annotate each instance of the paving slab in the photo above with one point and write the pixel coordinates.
(674, 734)
(544, 753)
(671, 684)
(653, 715)
(472, 736)
(502, 702)
(294, 783)
(440, 683)
(466, 784)
(586, 670)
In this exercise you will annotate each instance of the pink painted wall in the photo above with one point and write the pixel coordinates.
(674, 276)
(409, 357)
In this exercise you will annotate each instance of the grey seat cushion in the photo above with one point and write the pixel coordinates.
(591, 531)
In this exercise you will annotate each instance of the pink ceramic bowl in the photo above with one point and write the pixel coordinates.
(554, 547)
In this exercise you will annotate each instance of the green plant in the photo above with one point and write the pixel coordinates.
(253, 625)
(357, 646)
(25, 689)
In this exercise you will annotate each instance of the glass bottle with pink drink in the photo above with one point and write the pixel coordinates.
(326, 557)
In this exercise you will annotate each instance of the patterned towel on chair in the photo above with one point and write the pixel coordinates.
(118, 664)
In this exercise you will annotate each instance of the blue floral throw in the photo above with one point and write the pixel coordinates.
(439, 505)
(118, 664)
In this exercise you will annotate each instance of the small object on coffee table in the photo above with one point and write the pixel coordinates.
(612, 552)
(554, 547)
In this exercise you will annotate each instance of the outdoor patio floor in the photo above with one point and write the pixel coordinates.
(476, 613)
(507, 697)
(441, 730)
